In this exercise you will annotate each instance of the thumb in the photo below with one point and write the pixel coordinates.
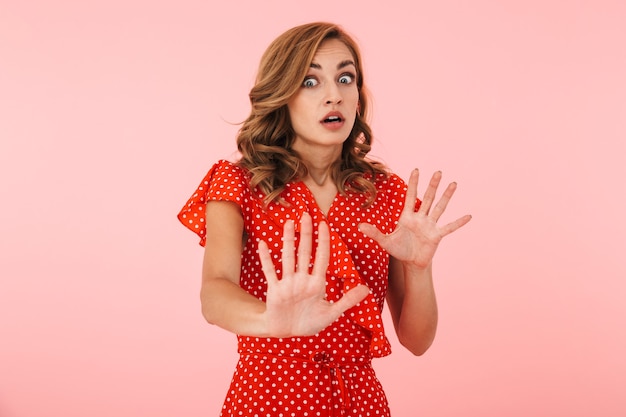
(351, 298)
(371, 231)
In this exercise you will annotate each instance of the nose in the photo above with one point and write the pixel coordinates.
(333, 95)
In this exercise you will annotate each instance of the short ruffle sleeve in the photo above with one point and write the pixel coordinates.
(224, 182)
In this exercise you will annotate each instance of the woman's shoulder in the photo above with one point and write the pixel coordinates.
(389, 181)
(227, 171)
(225, 165)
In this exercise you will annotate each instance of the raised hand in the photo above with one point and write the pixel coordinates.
(417, 235)
(296, 304)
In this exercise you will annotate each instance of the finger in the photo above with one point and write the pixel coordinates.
(455, 225)
(304, 245)
(288, 257)
(322, 253)
(372, 232)
(411, 192)
(267, 265)
(441, 205)
(429, 195)
(350, 299)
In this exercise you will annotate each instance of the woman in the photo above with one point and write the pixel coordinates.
(305, 238)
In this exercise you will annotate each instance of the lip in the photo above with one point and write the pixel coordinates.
(334, 114)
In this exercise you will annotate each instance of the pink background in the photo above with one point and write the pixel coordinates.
(111, 113)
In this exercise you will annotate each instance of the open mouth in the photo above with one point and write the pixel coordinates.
(332, 119)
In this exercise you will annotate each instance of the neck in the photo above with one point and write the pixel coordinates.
(319, 164)
(319, 170)
(318, 175)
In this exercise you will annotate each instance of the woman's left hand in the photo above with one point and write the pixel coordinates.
(417, 235)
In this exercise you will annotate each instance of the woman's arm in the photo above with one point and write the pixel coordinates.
(295, 305)
(413, 305)
(224, 302)
(412, 246)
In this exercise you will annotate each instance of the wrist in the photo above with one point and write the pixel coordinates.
(264, 323)
(413, 268)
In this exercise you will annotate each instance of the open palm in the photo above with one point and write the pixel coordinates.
(417, 235)
(296, 304)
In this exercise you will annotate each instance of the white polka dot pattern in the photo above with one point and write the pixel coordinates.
(328, 374)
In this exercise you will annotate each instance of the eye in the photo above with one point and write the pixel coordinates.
(309, 82)
(346, 79)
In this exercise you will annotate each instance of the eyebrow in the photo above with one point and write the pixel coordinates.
(341, 65)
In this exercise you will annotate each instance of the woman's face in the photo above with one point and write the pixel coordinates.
(323, 110)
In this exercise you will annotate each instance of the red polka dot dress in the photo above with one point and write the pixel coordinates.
(329, 374)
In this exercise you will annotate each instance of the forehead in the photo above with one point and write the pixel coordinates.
(332, 49)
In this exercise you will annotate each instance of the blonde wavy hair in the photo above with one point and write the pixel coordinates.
(266, 137)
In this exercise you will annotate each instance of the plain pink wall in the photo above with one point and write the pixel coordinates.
(111, 113)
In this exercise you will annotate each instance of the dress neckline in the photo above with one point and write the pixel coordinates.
(315, 202)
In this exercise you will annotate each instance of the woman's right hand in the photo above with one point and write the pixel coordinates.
(296, 304)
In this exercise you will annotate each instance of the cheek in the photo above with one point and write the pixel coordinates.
(296, 116)
(294, 112)
(297, 108)
(353, 96)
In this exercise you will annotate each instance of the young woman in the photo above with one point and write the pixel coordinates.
(305, 238)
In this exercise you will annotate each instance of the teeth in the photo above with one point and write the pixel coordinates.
(333, 119)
